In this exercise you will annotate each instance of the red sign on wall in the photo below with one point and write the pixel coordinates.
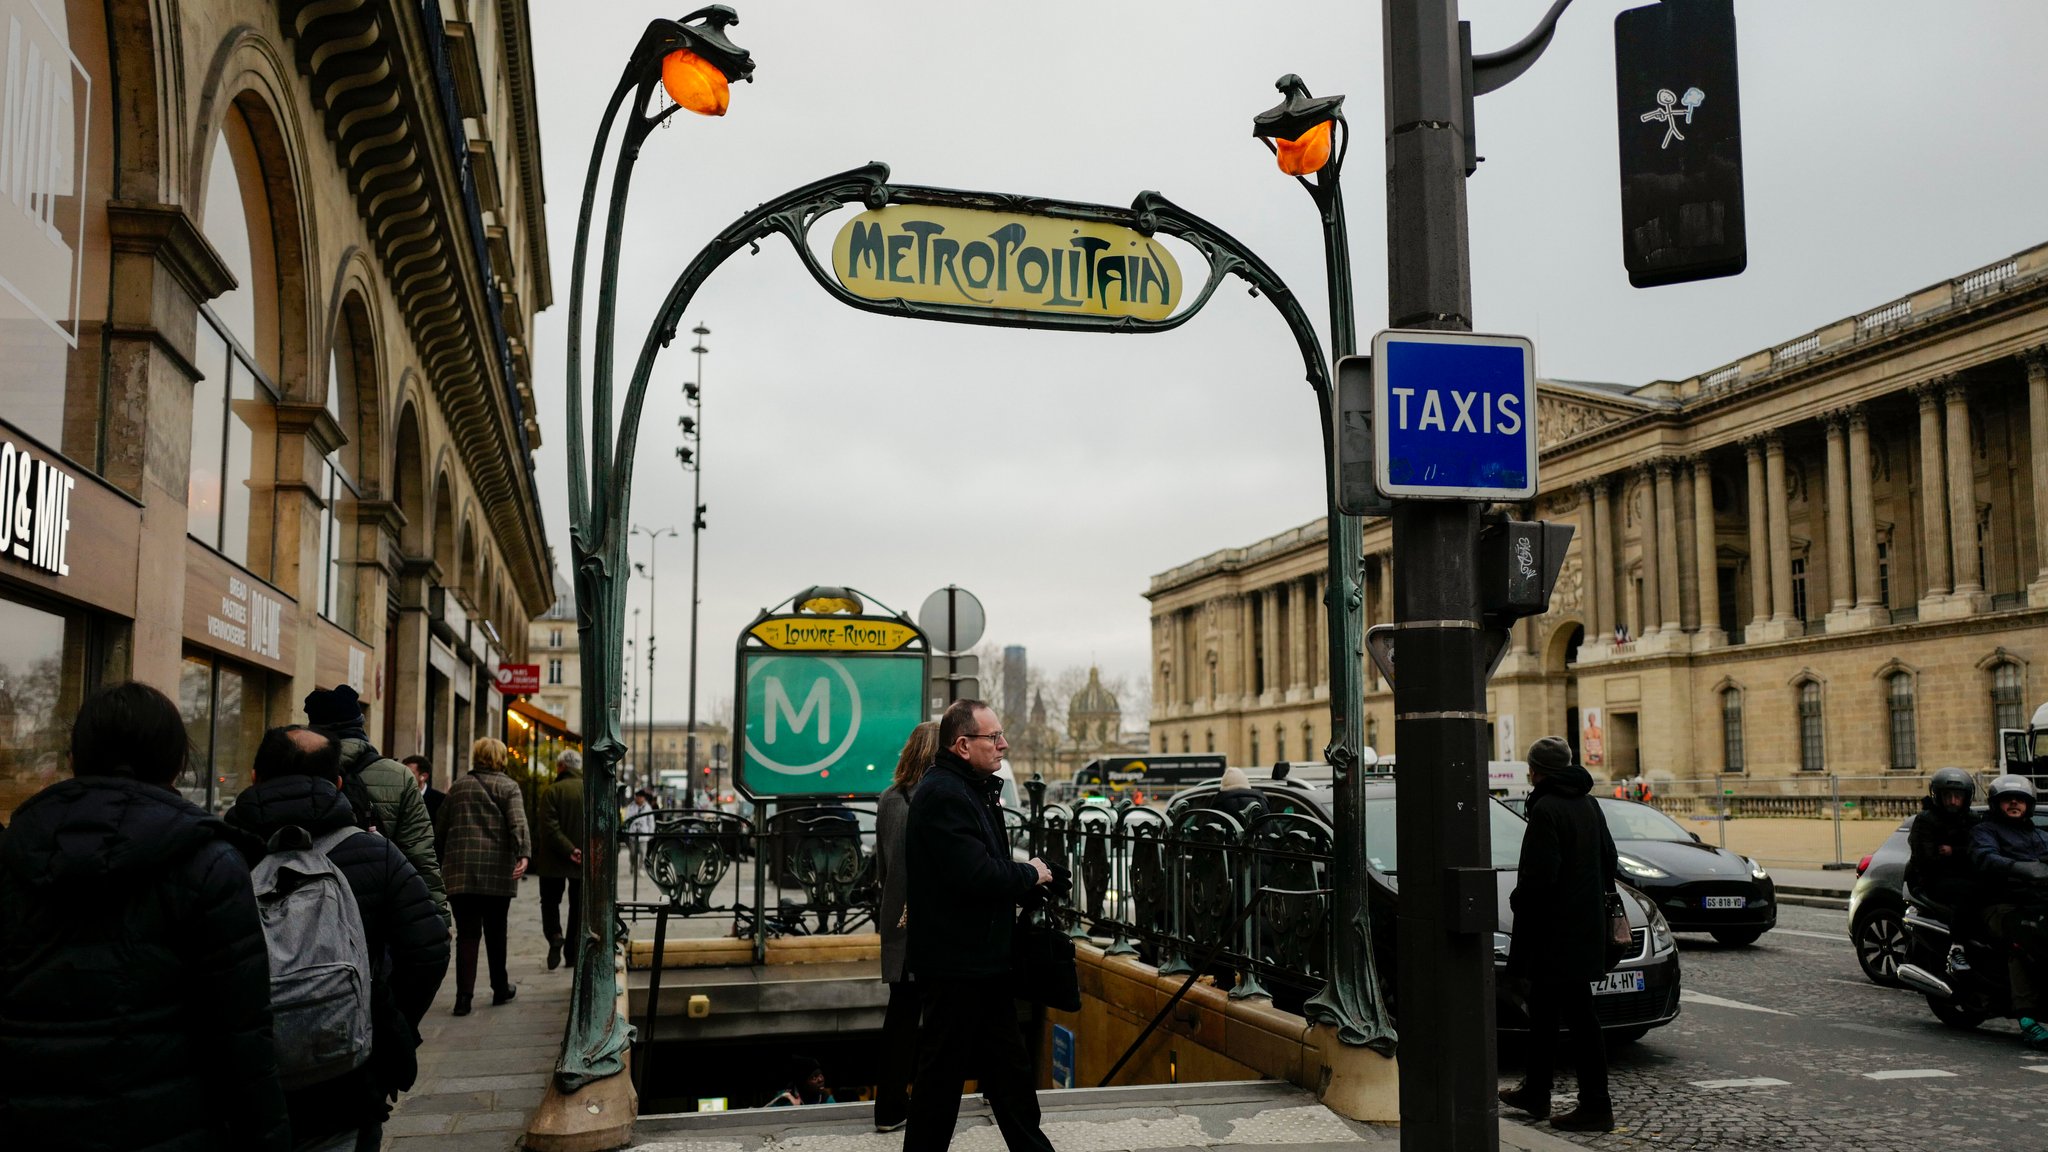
(518, 679)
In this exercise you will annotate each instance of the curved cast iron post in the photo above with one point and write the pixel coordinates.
(597, 1037)
(1352, 1001)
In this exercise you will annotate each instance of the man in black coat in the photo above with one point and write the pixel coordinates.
(424, 769)
(134, 982)
(1568, 867)
(298, 785)
(961, 905)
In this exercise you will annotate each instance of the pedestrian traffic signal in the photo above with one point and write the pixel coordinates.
(1519, 561)
(1681, 142)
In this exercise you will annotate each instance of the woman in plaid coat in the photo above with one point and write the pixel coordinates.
(483, 845)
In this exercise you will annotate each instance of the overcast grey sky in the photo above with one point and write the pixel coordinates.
(1887, 144)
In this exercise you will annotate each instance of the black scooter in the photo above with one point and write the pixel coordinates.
(1962, 972)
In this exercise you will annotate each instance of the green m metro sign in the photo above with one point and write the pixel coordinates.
(826, 703)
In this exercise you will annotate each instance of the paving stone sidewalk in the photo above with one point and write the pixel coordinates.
(482, 1075)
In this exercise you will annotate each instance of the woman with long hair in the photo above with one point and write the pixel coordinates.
(899, 1025)
(484, 848)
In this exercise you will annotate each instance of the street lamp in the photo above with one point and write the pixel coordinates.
(693, 460)
(1299, 131)
(694, 62)
(649, 570)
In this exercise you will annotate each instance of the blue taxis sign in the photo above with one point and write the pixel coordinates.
(1455, 415)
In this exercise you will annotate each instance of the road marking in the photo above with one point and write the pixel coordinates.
(1691, 997)
(1810, 935)
(2035, 1068)
(1908, 1074)
(1752, 1082)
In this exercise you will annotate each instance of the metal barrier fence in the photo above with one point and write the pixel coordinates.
(1811, 796)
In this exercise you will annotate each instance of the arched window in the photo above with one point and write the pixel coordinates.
(1209, 740)
(234, 428)
(1255, 748)
(1372, 733)
(1279, 742)
(1731, 730)
(338, 478)
(1812, 742)
(2008, 692)
(1308, 738)
(1899, 701)
(1187, 741)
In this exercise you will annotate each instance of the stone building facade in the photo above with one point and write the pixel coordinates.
(1829, 557)
(265, 396)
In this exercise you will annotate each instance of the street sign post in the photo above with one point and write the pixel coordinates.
(954, 621)
(825, 703)
(1455, 415)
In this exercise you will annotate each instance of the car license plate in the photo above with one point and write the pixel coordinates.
(1724, 901)
(1615, 982)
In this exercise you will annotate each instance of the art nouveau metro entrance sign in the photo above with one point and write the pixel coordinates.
(1005, 261)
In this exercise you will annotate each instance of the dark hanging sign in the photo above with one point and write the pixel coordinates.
(1681, 142)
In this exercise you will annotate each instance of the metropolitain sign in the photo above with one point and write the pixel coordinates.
(1005, 261)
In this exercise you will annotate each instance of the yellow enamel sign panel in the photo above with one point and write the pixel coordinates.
(1002, 261)
(824, 634)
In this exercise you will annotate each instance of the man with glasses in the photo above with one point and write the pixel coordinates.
(962, 903)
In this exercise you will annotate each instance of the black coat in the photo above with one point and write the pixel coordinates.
(1997, 847)
(407, 940)
(964, 887)
(1949, 878)
(134, 983)
(1568, 867)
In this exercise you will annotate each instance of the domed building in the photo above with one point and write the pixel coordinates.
(1094, 727)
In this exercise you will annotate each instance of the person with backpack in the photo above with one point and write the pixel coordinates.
(558, 857)
(357, 948)
(383, 793)
(134, 986)
(484, 841)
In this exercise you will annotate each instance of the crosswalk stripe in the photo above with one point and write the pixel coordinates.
(1907, 1074)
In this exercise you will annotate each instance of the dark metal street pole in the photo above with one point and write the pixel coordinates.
(1352, 1001)
(652, 569)
(696, 395)
(1444, 976)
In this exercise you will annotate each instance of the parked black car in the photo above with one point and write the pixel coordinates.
(1877, 904)
(1640, 993)
(1697, 886)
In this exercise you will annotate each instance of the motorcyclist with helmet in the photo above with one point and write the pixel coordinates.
(1939, 869)
(2011, 857)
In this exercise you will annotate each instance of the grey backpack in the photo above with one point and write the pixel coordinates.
(319, 958)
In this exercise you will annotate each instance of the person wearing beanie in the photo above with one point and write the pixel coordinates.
(1567, 868)
(373, 780)
(1235, 795)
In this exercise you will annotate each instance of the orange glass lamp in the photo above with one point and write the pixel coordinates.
(1301, 128)
(695, 83)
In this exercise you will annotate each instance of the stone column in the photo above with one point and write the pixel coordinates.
(1863, 510)
(1646, 535)
(1666, 525)
(1962, 492)
(1276, 677)
(1759, 540)
(1603, 562)
(1706, 555)
(2037, 424)
(1322, 588)
(1840, 592)
(1781, 535)
(1589, 551)
(1303, 597)
(1934, 543)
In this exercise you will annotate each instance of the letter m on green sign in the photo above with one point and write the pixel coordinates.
(819, 700)
(864, 245)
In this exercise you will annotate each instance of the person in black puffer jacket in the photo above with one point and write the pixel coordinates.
(298, 775)
(134, 982)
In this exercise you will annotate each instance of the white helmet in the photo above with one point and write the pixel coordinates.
(2011, 785)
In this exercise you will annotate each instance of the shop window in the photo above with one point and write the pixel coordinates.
(42, 681)
(2008, 706)
(226, 709)
(1899, 698)
(1731, 730)
(1812, 739)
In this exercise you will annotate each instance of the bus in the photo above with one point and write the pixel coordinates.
(1146, 778)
